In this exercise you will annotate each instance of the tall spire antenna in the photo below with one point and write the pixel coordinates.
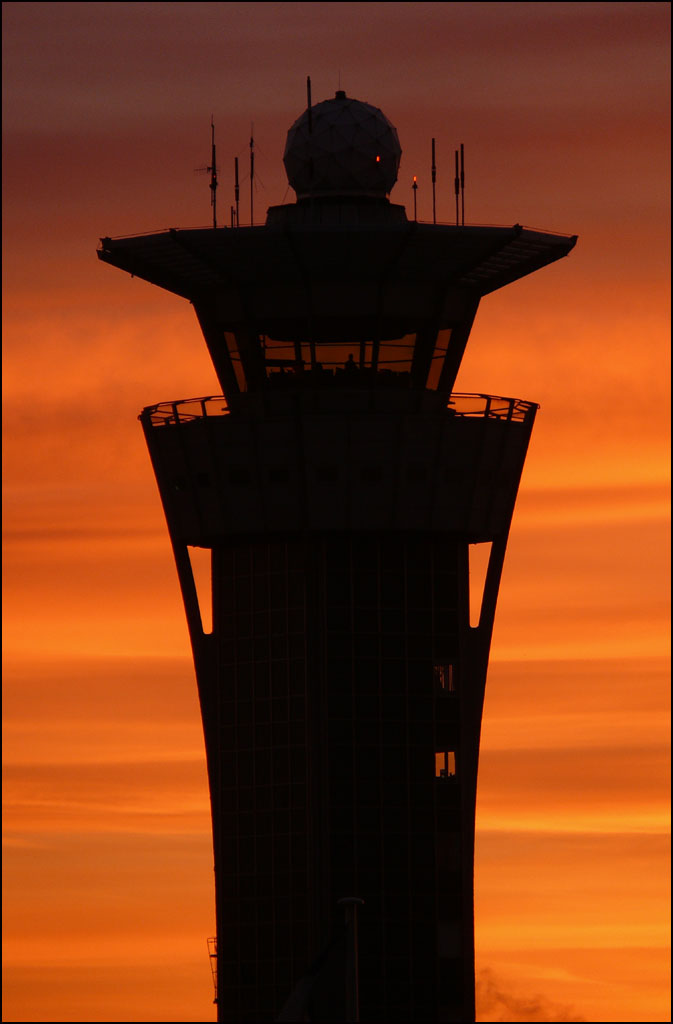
(415, 190)
(237, 192)
(252, 172)
(213, 172)
(211, 169)
(456, 188)
(462, 181)
(434, 179)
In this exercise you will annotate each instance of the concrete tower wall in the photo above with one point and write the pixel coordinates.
(342, 684)
(400, 461)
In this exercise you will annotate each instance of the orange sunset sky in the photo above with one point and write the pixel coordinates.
(563, 110)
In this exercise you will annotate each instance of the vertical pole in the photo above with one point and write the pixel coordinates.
(310, 128)
(434, 179)
(456, 188)
(252, 173)
(415, 187)
(213, 172)
(462, 181)
(236, 188)
(350, 905)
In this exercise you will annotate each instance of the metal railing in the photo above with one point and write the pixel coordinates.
(259, 224)
(212, 956)
(492, 407)
(185, 410)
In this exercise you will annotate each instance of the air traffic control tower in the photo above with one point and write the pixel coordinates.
(339, 484)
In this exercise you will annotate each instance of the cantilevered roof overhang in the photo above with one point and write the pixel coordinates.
(197, 263)
(300, 280)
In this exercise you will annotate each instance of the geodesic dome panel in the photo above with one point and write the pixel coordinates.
(350, 149)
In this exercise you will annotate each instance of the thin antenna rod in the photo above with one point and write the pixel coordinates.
(462, 181)
(310, 126)
(252, 172)
(237, 192)
(415, 189)
(456, 188)
(434, 179)
(213, 172)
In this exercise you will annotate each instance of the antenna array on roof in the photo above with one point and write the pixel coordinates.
(212, 169)
(458, 185)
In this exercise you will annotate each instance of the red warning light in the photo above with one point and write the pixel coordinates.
(378, 159)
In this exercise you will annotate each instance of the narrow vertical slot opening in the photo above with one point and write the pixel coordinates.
(201, 563)
(479, 556)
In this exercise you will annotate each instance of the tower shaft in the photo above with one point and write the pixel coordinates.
(342, 684)
(339, 487)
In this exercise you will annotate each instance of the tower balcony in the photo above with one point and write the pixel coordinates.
(333, 459)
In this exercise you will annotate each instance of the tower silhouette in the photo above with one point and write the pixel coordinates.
(339, 485)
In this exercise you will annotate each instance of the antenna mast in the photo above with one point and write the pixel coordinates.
(462, 182)
(213, 172)
(456, 188)
(237, 192)
(434, 179)
(252, 172)
(310, 125)
(415, 189)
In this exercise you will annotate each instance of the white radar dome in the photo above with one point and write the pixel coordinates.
(342, 147)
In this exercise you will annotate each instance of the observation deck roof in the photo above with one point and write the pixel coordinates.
(194, 263)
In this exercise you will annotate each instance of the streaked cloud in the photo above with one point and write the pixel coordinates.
(563, 109)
